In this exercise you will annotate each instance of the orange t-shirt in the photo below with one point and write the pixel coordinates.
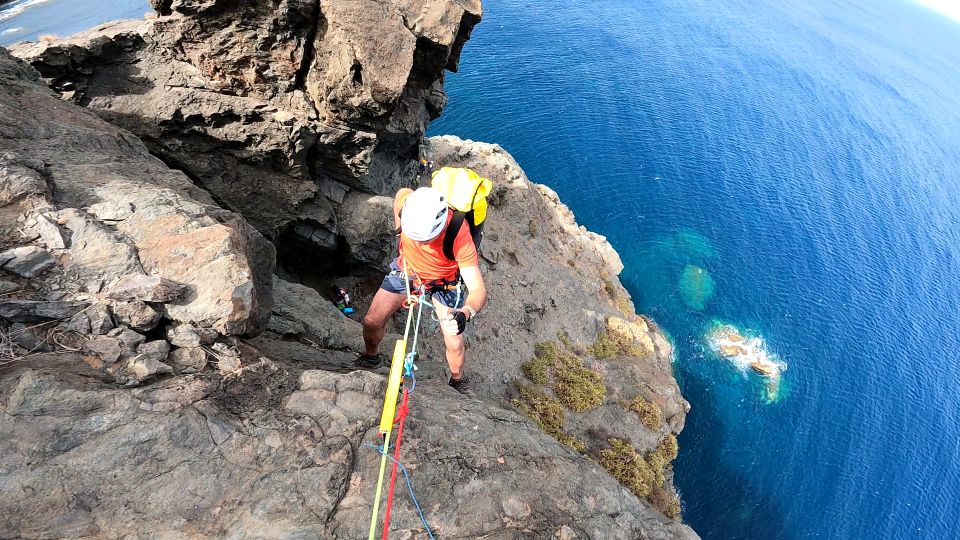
(428, 262)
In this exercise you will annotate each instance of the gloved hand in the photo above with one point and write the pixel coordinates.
(453, 322)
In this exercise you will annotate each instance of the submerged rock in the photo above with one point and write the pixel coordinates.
(696, 287)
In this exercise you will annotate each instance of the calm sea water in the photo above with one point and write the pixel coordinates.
(806, 156)
(27, 20)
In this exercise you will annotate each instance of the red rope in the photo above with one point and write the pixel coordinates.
(402, 411)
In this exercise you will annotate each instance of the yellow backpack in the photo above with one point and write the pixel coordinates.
(466, 194)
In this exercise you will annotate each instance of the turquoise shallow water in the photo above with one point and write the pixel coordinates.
(806, 157)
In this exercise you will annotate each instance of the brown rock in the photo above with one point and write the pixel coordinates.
(189, 359)
(145, 288)
(136, 315)
(107, 348)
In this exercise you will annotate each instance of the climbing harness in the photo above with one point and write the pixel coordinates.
(402, 366)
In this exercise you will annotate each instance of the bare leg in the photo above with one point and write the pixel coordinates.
(384, 305)
(456, 349)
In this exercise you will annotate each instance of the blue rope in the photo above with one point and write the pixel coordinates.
(413, 497)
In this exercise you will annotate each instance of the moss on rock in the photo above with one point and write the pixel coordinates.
(578, 388)
(649, 412)
(666, 501)
(623, 462)
(546, 412)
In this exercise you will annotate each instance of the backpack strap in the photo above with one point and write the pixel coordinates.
(450, 235)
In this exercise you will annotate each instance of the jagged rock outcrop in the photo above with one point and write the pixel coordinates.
(188, 456)
(124, 212)
(277, 109)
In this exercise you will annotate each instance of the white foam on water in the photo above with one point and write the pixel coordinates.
(11, 30)
(743, 351)
(17, 8)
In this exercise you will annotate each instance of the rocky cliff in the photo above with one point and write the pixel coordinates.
(162, 370)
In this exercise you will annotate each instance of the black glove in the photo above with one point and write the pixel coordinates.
(461, 319)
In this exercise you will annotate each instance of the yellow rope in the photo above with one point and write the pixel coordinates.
(390, 403)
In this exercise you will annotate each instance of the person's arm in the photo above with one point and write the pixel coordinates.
(453, 321)
(477, 296)
(398, 205)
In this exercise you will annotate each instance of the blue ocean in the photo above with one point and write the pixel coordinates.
(784, 176)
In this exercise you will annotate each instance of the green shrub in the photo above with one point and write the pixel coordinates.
(547, 350)
(615, 340)
(535, 369)
(659, 460)
(578, 388)
(546, 413)
(623, 462)
(650, 414)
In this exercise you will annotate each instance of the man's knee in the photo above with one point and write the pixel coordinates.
(455, 344)
(372, 322)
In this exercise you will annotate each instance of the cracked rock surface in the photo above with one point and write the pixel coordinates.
(211, 459)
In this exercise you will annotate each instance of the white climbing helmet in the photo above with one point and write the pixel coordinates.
(424, 214)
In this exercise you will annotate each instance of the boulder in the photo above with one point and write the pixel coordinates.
(107, 348)
(186, 335)
(26, 337)
(100, 320)
(129, 339)
(137, 315)
(158, 348)
(189, 359)
(18, 182)
(8, 287)
(46, 230)
(145, 288)
(147, 366)
(26, 261)
(141, 216)
(96, 252)
(301, 311)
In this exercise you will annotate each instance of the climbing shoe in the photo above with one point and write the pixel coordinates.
(367, 362)
(462, 385)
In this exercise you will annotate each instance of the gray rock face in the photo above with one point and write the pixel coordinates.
(26, 261)
(140, 217)
(242, 464)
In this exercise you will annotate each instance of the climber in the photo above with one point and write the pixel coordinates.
(422, 218)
